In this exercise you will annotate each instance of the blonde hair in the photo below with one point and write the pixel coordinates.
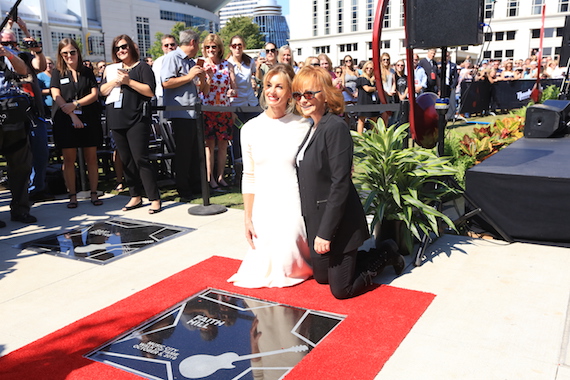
(326, 58)
(372, 79)
(384, 71)
(309, 59)
(287, 73)
(319, 79)
(217, 41)
(282, 51)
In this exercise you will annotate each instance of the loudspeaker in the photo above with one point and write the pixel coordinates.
(444, 23)
(565, 49)
(549, 119)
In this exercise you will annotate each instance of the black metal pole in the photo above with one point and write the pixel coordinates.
(206, 208)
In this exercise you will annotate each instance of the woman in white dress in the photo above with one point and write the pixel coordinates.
(279, 253)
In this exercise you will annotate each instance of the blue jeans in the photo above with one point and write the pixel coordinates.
(40, 154)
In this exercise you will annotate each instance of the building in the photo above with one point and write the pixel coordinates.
(344, 27)
(237, 8)
(267, 14)
(97, 22)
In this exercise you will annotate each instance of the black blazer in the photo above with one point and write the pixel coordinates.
(330, 204)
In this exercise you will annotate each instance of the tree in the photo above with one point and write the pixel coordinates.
(156, 49)
(245, 27)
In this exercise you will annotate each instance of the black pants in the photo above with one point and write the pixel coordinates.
(15, 148)
(132, 144)
(340, 271)
(187, 159)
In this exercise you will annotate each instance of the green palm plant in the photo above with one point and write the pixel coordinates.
(401, 184)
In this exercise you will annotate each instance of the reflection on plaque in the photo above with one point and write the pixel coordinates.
(105, 241)
(219, 335)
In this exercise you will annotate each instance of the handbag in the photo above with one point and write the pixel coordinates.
(14, 107)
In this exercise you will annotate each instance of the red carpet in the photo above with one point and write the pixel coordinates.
(376, 324)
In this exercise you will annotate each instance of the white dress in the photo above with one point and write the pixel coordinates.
(281, 253)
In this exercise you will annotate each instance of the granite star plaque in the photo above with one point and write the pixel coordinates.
(106, 241)
(219, 335)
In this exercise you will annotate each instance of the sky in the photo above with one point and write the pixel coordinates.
(285, 5)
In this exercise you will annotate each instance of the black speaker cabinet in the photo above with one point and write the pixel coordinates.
(444, 23)
(548, 119)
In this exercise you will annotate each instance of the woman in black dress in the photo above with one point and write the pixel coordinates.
(76, 116)
(129, 87)
(334, 217)
(367, 94)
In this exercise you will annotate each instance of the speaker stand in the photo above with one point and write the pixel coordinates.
(442, 107)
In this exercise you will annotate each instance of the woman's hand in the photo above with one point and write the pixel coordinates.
(250, 233)
(68, 108)
(77, 123)
(122, 78)
(322, 246)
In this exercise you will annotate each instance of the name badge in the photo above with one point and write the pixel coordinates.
(119, 103)
(64, 81)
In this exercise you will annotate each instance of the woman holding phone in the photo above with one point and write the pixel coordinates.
(218, 125)
(129, 87)
(76, 116)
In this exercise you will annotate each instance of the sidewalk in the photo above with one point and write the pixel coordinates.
(500, 310)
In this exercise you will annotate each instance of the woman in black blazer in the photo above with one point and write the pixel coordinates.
(335, 221)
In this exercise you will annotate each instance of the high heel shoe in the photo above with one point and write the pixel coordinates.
(97, 201)
(129, 208)
(72, 204)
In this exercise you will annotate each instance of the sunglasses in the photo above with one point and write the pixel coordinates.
(66, 53)
(270, 50)
(348, 60)
(315, 64)
(9, 43)
(386, 59)
(307, 94)
(122, 47)
(235, 46)
(210, 47)
(172, 44)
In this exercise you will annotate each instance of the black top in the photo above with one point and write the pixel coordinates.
(330, 204)
(401, 84)
(364, 97)
(135, 107)
(71, 90)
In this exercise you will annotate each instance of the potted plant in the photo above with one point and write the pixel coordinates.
(401, 185)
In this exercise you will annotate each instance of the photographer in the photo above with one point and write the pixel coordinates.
(35, 61)
(14, 142)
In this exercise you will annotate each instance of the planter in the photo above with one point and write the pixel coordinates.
(395, 230)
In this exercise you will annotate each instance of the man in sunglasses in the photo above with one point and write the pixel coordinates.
(167, 43)
(14, 145)
(182, 77)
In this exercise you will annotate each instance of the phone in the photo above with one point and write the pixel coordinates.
(262, 54)
(123, 70)
(200, 62)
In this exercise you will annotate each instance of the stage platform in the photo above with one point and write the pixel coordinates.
(524, 189)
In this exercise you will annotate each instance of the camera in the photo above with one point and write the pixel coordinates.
(31, 44)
